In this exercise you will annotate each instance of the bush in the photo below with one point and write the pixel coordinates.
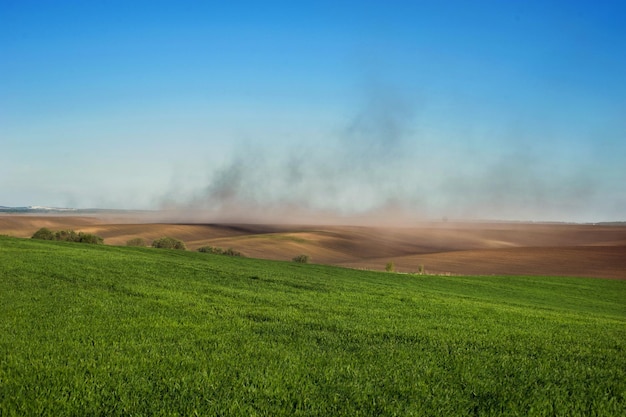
(220, 251)
(67, 236)
(232, 252)
(390, 267)
(302, 259)
(169, 243)
(90, 238)
(211, 249)
(137, 241)
(43, 234)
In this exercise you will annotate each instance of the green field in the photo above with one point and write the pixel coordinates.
(100, 330)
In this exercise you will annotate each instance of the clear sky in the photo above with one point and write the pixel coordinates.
(458, 109)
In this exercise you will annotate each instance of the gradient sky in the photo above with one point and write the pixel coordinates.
(462, 109)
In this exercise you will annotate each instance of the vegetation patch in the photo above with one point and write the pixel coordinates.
(67, 236)
(220, 251)
(274, 236)
(302, 259)
(116, 331)
(169, 243)
(211, 249)
(136, 242)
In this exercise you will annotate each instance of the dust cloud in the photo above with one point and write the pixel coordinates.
(383, 168)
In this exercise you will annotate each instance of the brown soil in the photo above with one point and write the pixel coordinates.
(443, 248)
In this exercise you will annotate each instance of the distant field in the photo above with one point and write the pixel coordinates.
(102, 330)
(460, 248)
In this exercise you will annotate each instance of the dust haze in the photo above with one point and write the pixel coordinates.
(385, 166)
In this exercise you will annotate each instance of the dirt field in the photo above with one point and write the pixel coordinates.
(441, 247)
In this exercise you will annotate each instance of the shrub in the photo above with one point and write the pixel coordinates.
(90, 238)
(302, 259)
(137, 241)
(169, 243)
(211, 249)
(220, 251)
(232, 252)
(390, 267)
(43, 234)
(67, 236)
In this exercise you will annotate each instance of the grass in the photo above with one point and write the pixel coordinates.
(270, 236)
(101, 330)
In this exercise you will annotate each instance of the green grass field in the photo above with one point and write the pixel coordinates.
(100, 330)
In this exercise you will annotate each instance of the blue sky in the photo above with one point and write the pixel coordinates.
(481, 109)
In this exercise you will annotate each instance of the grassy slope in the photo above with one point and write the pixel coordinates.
(94, 330)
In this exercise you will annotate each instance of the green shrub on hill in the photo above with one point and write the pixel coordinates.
(67, 236)
(232, 252)
(302, 259)
(211, 249)
(137, 241)
(169, 243)
(89, 238)
(43, 234)
(219, 251)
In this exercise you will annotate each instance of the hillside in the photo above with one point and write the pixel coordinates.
(101, 330)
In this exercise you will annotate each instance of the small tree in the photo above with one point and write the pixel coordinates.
(302, 259)
(43, 234)
(169, 243)
(137, 241)
(390, 267)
